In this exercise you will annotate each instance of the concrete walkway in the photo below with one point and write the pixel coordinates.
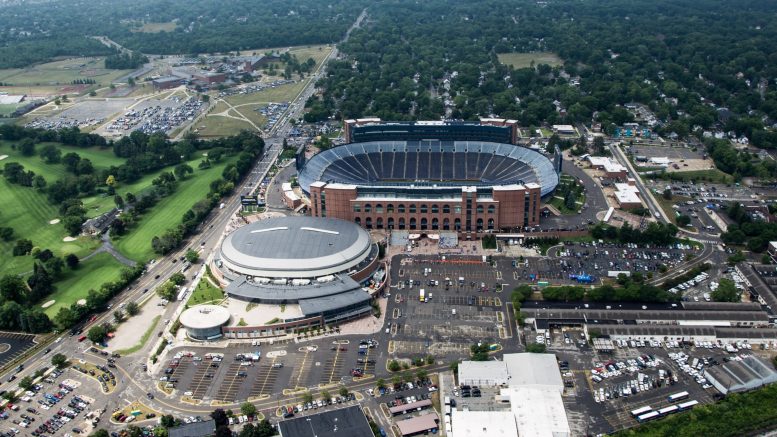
(107, 247)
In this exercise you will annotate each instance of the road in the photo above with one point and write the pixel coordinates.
(206, 237)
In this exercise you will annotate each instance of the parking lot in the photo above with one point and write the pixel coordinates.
(460, 306)
(13, 344)
(251, 372)
(155, 115)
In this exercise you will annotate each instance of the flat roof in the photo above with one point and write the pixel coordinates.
(722, 306)
(253, 290)
(324, 304)
(538, 412)
(205, 428)
(411, 406)
(483, 423)
(481, 372)
(204, 316)
(418, 424)
(594, 315)
(343, 422)
(295, 247)
(530, 369)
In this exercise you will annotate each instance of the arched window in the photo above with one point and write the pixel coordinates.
(401, 208)
(435, 209)
(357, 220)
(457, 224)
(480, 224)
(424, 223)
(435, 224)
(412, 208)
(424, 209)
(391, 222)
(491, 224)
(368, 222)
(401, 223)
(379, 223)
(367, 207)
(446, 209)
(390, 208)
(491, 209)
(480, 209)
(412, 223)
(379, 209)
(446, 224)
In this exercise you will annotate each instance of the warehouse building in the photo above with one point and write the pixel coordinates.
(738, 376)
(350, 422)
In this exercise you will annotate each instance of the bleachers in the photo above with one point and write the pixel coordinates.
(459, 162)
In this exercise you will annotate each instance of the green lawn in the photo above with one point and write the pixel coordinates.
(167, 213)
(204, 293)
(28, 213)
(282, 93)
(75, 285)
(524, 60)
(218, 126)
(61, 73)
(101, 158)
(712, 175)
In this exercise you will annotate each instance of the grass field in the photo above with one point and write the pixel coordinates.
(220, 126)
(28, 212)
(250, 112)
(76, 285)
(6, 110)
(524, 60)
(712, 175)
(61, 73)
(204, 293)
(156, 27)
(282, 93)
(167, 213)
(666, 205)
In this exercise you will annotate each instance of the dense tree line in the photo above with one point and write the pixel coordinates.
(41, 31)
(655, 233)
(630, 289)
(756, 234)
(125, 61)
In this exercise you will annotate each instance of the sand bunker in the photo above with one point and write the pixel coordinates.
(53, 222)
(81, 301)
(48, 304)
(2, 157)
(69, 239)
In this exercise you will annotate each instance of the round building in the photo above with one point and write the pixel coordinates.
(204, 322)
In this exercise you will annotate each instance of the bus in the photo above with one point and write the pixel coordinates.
(678, 396)
(648, 417)
(640, 411)
(668, 410)
(687, 405)
(422, 295)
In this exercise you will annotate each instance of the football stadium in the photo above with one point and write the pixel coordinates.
(321, 270)
(466, 178)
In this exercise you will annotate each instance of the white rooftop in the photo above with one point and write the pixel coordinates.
(534, 370)
(483, 423)
(538, 412)
(483, 373)
(204, 316)
(609, 165)
(626, 193)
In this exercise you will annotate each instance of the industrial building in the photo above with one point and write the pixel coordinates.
(349, 421)
(532, 387)
(738, 376)
(167, 82)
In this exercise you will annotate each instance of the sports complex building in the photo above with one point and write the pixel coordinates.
(467, 178)
(322, 270)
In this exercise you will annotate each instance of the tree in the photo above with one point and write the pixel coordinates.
(27, 147)
(726, 291)
(26, 382)
(248, 409)
(394, 366)
(12, 288)
(167, 291)
(99, 433)
(537, 348)
(479, 352)
(192, 256)
(220, 417)
(97, 334)
(325, 395)
(667, 194)
(177, 278)
(181, 170)
(307, 397)
(23, 247)
(59, 361)
(50, 154)
(168, 421)
(71, 260)
(132, 308)
(683, 220)
(118, 316)
(343, 391)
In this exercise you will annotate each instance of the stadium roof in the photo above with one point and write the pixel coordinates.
(295, 247)
(325, 304)
(343, 422)
(205, 316)
(270, 292)
(459, 163)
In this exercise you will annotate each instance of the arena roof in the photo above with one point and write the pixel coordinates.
(295, 247)
(457, 163)
(204, 316)
(270, 292)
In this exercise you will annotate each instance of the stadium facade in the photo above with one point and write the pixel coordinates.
(423, 177)
(328, 269)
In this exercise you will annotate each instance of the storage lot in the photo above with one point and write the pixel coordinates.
(460, 307)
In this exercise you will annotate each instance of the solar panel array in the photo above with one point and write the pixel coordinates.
(461, 162)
